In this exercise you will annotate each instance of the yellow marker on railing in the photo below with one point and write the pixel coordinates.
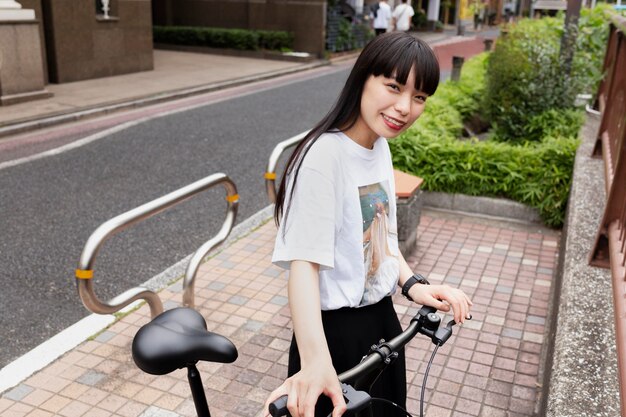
(84, 273)
(232, 198)
(270, 171)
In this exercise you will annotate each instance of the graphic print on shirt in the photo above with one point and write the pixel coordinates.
(381, 266)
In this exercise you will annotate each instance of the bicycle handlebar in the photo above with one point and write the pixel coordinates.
(425, 322)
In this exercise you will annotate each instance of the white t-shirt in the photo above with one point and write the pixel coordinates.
(383, 16)
(343, 217)
(403, 13)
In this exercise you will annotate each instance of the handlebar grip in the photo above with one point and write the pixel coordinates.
(278, 407)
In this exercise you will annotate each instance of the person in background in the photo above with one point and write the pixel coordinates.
(382, 17)
(402, 15)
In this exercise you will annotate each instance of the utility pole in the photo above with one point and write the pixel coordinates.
(570, 32)
(460, 29)
(498, 11)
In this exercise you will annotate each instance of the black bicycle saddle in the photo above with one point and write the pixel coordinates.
(178, 338)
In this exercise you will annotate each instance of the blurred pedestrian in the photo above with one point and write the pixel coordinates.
(402, 16)
(382, 17)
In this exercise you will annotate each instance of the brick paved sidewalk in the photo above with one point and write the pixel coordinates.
(489, 367)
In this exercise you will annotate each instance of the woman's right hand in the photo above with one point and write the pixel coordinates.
(317, 375)
(304, 388)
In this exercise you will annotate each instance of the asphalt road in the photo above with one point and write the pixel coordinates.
(50, 206)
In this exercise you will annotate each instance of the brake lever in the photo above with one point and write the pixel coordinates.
(355, 402)
(442, 334)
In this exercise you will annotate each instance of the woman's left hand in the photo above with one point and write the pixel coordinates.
(443, 297)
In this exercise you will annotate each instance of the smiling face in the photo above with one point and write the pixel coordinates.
(387, 109)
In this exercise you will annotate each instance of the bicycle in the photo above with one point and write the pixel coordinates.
(179, 338)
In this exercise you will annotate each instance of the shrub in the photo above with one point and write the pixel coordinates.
(466, 94)
(553, 123)
(345, 34)
(419, 19)
(535, 173)
(527, 77)
(591, 45)
(223, 38)
(275, 40)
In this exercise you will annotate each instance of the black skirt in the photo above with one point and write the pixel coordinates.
(350, 332)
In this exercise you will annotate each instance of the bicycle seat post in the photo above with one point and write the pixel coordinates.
(197, 391)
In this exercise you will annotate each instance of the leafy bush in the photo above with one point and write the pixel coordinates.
(529, 100)
(275, 40)
(223, 38)
(554, 123)
(526, 75)
(419, 19)
(535, 173)
(466, 94)
(345, 34)
(591, 45)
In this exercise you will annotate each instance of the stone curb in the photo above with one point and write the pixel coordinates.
(581, 361)
(497, 207)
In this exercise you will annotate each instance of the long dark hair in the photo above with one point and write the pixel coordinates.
(391, 55)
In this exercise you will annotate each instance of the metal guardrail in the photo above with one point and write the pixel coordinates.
(84, 273)
(270, 171)
(609, 250)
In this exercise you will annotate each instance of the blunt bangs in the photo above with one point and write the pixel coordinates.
(393, 55)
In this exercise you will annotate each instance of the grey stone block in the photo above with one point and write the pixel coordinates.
(19, 392)
(498, 207)
(91, 378)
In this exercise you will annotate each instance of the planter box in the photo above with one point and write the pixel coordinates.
(409, 208)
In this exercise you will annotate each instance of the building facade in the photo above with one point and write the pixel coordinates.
(58, 41)
(306, 19)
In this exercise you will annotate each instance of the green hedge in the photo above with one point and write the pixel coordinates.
(527, 76)
(466, 95)
(522, 91)
(241, 39)
(537, 174)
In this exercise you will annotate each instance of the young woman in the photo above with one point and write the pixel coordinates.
(338, 234)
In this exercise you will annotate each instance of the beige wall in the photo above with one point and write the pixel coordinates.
(305, 18)
(36, 6)
(21, 69)
(81, 46)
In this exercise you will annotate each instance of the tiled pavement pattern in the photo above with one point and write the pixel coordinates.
(488, 368)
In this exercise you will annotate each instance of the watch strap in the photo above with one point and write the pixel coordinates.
(415, 279)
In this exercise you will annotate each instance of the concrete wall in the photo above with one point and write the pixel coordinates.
(36, 6)
(82, 46)
(305, 18)
(21, 66)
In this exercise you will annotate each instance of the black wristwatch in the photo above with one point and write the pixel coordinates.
(416, 278)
